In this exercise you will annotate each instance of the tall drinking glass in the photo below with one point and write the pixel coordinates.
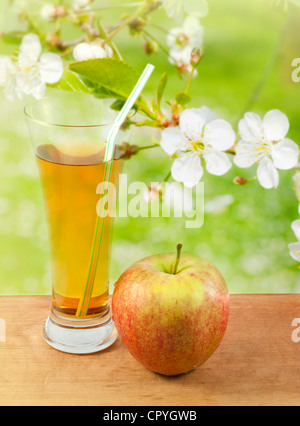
(69, 134)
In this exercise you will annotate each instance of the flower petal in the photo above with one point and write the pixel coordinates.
(38, 89)
(8, 79)
(181, 56)
(173, 36)
(187, 169)
(285, 154)
(275, 125)
(173, 140)
(251, 127)
(295, 251)
(6, 69)
(48, 12)
(194, 31)
(191, 24)
(245, 132)
(219, 134)
(192, 122)
(246, 154)
(85, 51)
(108, 51)
(51, 68)
(208, 114)
(12, 93)
(82, 52)
(296, 228)
(30, 48)
(174, 9)
(267, 174)
(217, 163)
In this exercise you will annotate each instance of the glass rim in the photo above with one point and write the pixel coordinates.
(132, 113)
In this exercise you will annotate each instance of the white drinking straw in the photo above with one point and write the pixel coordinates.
(109, 156)
(112, 137)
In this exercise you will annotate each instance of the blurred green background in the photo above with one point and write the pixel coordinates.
(248, 45)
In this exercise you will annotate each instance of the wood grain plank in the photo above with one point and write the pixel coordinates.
(257, 363)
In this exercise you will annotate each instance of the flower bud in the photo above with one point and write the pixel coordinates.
(137, 26)
(186, 70)
(126, 151)
(196, 56)
(50, 12)
(240, 181)
(53, 40)
(150, 47)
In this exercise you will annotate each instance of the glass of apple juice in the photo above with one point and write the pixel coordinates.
(69, 133)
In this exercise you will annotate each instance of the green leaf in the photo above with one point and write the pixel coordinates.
(72, 83)
(101, 92)
(103, 34)
(183, 99)
(110, 74)
(111, 78)
(155, 105)
(117, 105)
(161, 88)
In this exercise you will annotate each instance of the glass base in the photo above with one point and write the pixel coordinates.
(80, 336)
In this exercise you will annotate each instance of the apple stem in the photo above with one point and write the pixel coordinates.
(174, 271)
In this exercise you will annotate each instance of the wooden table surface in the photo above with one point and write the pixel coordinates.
(257, 363)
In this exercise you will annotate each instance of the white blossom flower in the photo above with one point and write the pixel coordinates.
(50, 12)
(182, 41)
(199, 136)
(295, 247)
(8, 82)
(177, 8)
(264, 142)
(174, 9)
(36, 70)
(85, 51)
(186, 70)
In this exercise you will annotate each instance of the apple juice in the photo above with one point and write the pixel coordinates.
(69, 184)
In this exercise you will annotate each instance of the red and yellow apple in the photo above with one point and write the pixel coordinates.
(171, 313)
